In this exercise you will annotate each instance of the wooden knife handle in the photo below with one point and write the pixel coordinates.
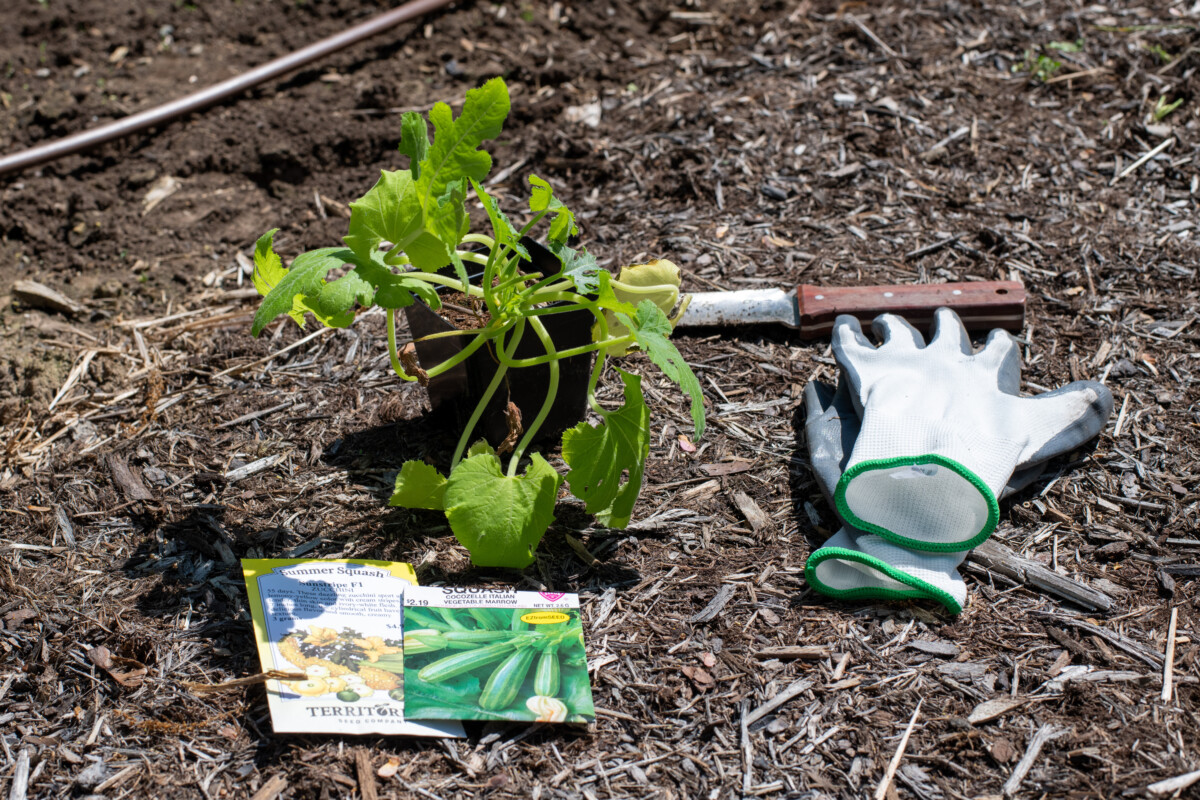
(982, 305)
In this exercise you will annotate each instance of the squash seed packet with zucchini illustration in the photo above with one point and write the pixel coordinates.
(337, 626)
(478, 654)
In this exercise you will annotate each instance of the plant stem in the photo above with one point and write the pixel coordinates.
(480, 238)
(551, 394)
(516, 280)
(593, 381)
(623, 341)
(391, 334)
(517, 332)
(551, 310)
(447, 334)
(530, 225)
(634, 289)
(462, 355)
(445, 280)
(489, 277)
(544, 296)
(561, 286)
(465, 255)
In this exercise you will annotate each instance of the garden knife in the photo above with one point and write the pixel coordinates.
(982, 305)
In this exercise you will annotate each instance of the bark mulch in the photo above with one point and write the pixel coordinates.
(147, 442)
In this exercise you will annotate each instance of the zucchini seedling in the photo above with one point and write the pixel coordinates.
(409, 235)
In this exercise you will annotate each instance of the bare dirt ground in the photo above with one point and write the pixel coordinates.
(755, 144)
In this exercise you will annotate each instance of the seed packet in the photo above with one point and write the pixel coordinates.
(337, 625)
(479, 654)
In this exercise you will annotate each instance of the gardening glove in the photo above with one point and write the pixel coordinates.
(853, 565)
(943, 429)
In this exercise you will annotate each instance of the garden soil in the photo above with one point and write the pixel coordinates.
(755, 144)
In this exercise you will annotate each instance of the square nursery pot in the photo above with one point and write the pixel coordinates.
(464, 385)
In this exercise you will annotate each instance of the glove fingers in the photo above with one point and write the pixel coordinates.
(1060, 421)
(949, 335)
(831, 426)
(849, 344)
(1003, 355)
(894, 330)
(818, 399)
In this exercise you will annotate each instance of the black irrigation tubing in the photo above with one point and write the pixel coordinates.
(218, 92)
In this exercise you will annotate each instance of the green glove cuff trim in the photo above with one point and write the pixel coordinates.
(920, 590)
(843, 508)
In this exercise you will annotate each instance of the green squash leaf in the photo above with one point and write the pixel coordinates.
(499, 519)
(448, 219)
(651, 328)
(414, 140)
(269, 271)
(268, 267)
(392, 290)
(562, 219)
(579, 266)
(598, 457)
(480, 447)
(391, 211)
(298, 290)
(503, 231)
(339, 296)
(455, 152)
(421, 211)
(419, 486)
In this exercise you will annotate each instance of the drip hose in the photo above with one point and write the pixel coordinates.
(218, 92)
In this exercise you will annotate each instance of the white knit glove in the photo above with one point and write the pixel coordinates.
(853, 565)
(943, 430)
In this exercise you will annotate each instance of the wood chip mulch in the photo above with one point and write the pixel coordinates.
(147, 442)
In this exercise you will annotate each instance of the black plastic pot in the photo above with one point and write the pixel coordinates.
(464, 385)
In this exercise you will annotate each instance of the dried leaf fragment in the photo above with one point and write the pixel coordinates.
(408, 360)
(751, 511)
(1003, 751)
(125, 671)
(512, 415)
(698, 676)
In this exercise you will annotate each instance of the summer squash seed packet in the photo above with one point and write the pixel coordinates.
(479, 654)
(338, 624)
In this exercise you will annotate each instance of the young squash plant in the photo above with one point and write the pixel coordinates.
(412, 229)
